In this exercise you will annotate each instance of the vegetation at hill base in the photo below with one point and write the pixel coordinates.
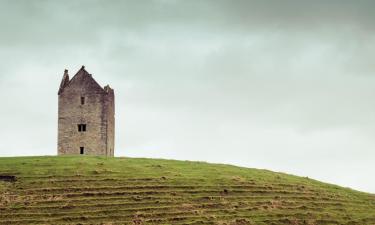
(100, 190)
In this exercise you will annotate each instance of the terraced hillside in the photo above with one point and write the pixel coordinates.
(96, 190)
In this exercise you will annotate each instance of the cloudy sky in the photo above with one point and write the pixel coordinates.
(282, 85)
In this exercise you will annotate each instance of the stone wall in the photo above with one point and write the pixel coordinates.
(97, 113)
(110, 119)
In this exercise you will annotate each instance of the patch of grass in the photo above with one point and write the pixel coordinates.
(100, 190)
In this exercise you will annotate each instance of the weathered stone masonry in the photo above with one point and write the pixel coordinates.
(86, 116)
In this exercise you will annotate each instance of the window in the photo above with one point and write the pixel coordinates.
(82, 100)
(81, 127)
(81, 150)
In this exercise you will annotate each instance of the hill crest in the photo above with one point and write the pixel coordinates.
(99, 190)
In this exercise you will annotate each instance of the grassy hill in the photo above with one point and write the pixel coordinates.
(97, 190)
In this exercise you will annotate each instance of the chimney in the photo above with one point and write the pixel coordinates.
(64, 81)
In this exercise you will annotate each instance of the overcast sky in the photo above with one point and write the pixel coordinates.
(282, 85)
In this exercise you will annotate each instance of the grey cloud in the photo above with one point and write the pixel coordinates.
(54, 23)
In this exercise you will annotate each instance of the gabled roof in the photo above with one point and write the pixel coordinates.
(81, 79)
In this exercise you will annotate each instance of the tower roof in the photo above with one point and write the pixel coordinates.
(81, 79)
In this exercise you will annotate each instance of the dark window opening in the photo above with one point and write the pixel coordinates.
(82, 100)
(81, 127)
(81, 150)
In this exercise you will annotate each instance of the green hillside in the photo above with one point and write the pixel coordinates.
(97, 190)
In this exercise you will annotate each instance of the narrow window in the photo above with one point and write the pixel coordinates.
(81, 150)
(82, 100)
(81, 127)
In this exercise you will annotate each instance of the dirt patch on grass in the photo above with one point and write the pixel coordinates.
(8, 178)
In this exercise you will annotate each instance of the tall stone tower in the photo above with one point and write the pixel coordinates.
(86, 116)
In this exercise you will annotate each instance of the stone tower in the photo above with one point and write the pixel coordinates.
(86, 116)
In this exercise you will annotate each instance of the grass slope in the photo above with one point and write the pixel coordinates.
(97, 190)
